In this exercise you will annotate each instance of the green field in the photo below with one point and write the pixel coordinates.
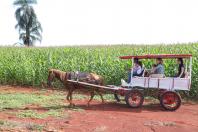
(29, 66)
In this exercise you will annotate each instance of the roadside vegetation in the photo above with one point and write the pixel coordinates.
(29, 66)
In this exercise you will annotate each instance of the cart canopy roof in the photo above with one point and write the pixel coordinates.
(153, 56)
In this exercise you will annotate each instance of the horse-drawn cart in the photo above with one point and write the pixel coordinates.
(167, 87)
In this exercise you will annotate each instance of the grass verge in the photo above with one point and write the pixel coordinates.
(40, 115)
(19, 100)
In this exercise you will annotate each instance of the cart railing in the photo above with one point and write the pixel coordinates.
(161, 83)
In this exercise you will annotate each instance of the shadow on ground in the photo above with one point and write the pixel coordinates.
(110, 106)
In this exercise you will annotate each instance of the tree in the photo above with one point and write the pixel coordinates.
(27, 23)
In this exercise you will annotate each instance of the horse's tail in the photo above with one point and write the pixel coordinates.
(102, 81)
(98, 79)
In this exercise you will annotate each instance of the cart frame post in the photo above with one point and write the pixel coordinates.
(190, 69)
(132, 63)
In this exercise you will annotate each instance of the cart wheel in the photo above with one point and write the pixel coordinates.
(170, 101)
(134, 99)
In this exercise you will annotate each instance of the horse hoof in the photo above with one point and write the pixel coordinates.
(71, 105)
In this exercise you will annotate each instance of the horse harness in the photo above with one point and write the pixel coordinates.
(77, 76)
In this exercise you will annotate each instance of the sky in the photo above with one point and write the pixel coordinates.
(80, 22)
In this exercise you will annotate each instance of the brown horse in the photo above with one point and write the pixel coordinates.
(81, 76)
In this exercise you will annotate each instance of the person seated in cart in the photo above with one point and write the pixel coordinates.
(181, 68)
(158, 69)
(137, 70)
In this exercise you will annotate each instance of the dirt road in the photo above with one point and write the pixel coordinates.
(108, 117)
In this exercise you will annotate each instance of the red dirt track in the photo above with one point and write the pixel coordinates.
(115, 117)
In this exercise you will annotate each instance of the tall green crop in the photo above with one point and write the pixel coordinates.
(29, 66)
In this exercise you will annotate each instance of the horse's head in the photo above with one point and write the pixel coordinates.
(60, 75)
(51, 76)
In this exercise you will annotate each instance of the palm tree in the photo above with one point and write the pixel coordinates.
(27, 23)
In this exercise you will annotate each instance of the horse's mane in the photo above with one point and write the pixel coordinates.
(61, 75)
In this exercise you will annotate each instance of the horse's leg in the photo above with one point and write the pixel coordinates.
(72, 104)
(101, 96)
(91, 98)
(68, 97)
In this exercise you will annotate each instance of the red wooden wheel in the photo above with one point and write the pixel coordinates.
(170, 100)
(134, 99)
